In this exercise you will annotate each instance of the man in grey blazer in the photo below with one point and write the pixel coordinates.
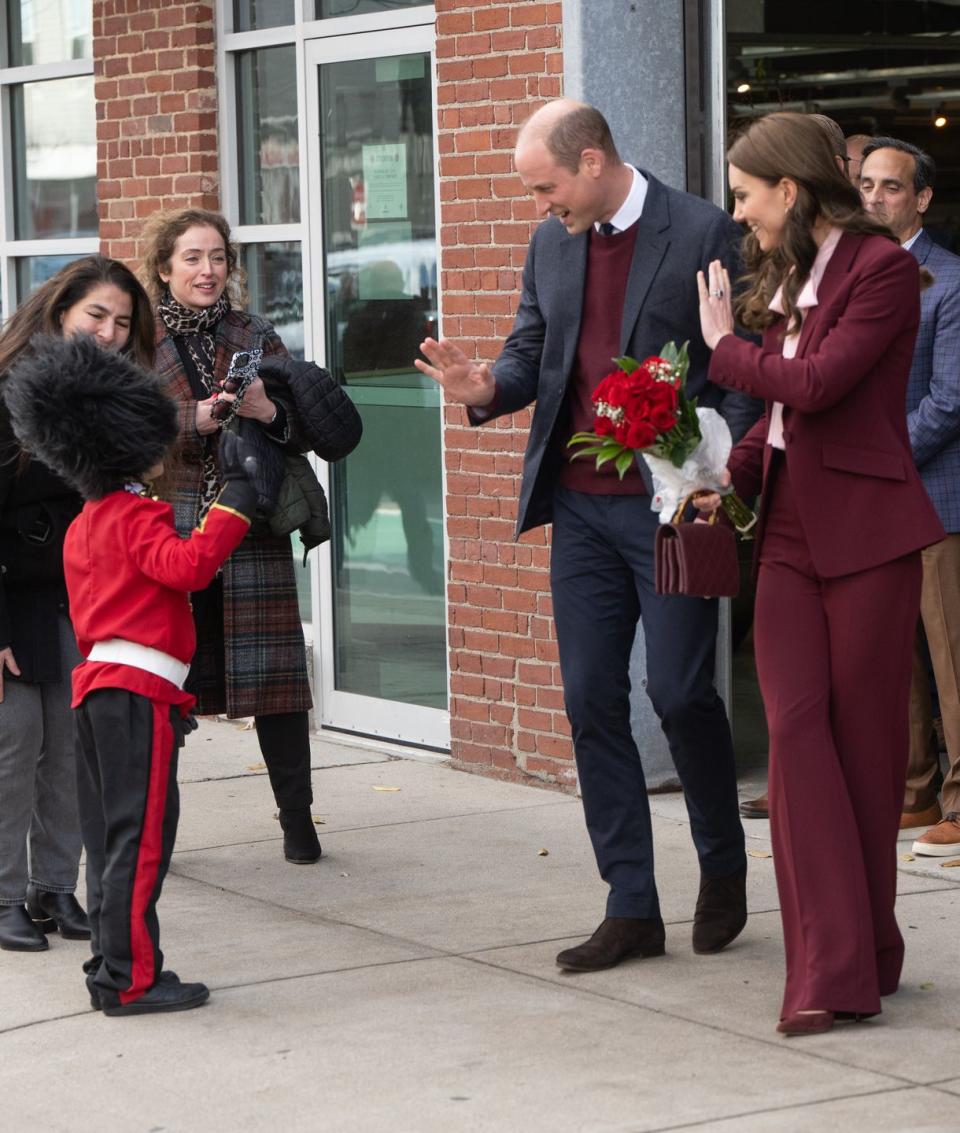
(897, 186)
(612, 271)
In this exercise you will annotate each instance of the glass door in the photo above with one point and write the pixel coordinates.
(382, 612)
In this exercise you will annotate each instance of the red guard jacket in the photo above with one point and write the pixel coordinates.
(129, 575)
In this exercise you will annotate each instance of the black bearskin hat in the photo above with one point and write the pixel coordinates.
(92, 415)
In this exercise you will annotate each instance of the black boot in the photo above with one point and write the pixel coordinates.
(57, 912)
(18, 933)
(300, 842)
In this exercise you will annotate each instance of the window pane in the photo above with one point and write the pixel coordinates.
(267, 136)
(49, 31)
(55, 158)
(381, 284)
(275, 289)
(34, 270)
(328, 8)
(249, 15)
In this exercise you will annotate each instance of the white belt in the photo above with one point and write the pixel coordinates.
(121, 652)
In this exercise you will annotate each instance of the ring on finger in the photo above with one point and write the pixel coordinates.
(717, 293)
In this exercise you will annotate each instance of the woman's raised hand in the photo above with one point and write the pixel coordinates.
(469, 383)
(716, 306)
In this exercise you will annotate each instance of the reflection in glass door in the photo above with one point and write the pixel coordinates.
(385, 665)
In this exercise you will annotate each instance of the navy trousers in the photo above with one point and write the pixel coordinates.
(602, 580)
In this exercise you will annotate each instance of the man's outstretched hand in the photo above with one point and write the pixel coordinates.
(469, 383)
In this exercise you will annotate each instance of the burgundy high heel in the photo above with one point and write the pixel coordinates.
(806, 1023)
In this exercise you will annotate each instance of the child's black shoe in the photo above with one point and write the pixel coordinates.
(166, 977)
(165, 995)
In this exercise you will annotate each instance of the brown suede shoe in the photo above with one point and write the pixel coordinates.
(755, 808)
(617, 939)
(928, 817)
(942, 840)
(721, 911)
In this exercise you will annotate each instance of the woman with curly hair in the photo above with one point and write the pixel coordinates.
(250, 658)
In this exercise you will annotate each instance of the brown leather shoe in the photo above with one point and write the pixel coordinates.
(942, 840)
(721, 911)
(755, 808)
(929, 817)
(617, 939)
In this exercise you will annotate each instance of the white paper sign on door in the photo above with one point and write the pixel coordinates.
(385, 181)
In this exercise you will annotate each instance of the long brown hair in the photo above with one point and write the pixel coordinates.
(43, 311)
(785, 144)
(160, 236)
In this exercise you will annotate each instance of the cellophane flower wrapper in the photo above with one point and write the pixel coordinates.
(702, 468)
(642, 411)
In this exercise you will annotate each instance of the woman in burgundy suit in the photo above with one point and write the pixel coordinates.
(842, 521)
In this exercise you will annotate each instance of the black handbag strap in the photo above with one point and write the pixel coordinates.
(197, 388)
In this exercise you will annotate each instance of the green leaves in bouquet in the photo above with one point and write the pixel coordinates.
(674, 446)
(603, 449)
(683, 437)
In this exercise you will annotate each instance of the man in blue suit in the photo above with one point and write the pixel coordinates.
(612, 271)
(896, 181)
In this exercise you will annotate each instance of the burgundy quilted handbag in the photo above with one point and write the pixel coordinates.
(697, 559)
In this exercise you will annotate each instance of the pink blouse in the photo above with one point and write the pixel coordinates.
(805, 300)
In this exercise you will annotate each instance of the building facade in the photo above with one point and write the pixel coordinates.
(362, 151)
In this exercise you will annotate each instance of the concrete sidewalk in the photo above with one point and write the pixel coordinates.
(407, 983)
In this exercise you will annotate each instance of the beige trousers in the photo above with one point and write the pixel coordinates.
(940, 621)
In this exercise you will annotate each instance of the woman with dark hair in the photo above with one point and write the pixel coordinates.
(250, 658)
(842, 521)
(39, 827)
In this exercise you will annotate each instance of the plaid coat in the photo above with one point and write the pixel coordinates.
(263, 647)
(933, 391)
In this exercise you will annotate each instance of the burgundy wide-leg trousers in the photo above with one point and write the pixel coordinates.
(834, 663)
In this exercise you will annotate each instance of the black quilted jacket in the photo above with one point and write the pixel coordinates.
(326, 420)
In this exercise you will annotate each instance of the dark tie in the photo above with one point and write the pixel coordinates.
(605, 228)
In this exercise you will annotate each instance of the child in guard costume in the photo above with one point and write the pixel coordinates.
(105, 425)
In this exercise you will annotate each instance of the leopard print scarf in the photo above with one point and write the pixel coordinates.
(197, 330)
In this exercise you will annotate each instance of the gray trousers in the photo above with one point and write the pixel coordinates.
(39, 822)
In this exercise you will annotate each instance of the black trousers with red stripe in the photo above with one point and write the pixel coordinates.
(129, 808)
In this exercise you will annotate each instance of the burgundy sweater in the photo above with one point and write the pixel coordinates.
(604, 291)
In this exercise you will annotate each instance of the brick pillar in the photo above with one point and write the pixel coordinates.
(497, 61)
(155, 89)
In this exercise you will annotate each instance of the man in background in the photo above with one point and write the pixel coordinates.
(854, 145)
(897, 186)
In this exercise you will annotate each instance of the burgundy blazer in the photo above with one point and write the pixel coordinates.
(858, 493)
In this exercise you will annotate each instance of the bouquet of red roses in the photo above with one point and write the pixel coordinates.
(642, 408)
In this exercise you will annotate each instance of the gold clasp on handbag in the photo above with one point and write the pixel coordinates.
(678, 514)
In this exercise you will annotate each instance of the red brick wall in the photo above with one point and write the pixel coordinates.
(155, 89)
(497, 61)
